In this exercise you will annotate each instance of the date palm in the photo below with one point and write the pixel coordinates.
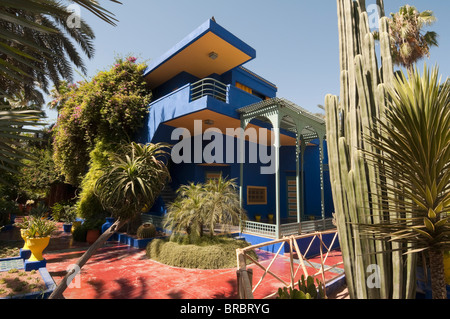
(186, 213)
(413, 151)
(205, 204)
(222, 204)
(36, 48)
(16, 126)
(408, 42)
(134, 179)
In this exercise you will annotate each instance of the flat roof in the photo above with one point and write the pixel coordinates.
(193, 55)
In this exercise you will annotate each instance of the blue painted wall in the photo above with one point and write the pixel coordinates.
(185, 173)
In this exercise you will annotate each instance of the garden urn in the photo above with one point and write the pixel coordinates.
(24, 237)
(37, 246)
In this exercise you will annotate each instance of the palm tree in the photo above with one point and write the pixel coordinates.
(208, 204)
(35, 48)
(408, 42)
(186, 213)
(133, 181)
(413, 151)
(222, 204)
(16, 126)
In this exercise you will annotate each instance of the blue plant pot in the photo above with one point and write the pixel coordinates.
(67, 228)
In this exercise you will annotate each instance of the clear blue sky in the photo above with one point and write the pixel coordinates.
(296, 41)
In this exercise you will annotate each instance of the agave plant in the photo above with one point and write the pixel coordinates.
(413, 151)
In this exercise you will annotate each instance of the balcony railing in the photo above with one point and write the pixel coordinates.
(209, 87)
(269, 230)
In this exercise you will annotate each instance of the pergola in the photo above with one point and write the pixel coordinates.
(285, 115)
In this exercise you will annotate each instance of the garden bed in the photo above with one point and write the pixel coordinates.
(21, 284)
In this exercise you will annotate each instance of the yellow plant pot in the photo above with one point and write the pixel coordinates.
(37, 246)
(24, 237)
(258, 218)
(270, 217)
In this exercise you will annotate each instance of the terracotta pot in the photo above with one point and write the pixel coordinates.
(92, 235)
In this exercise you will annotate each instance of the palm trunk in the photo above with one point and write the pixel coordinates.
(59, 290)
(438, 284)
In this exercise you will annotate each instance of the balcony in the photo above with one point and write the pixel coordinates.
(209, 87)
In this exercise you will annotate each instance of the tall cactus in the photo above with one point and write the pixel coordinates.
(358, 196)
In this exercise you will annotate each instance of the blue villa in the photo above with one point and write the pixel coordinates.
(225, 120)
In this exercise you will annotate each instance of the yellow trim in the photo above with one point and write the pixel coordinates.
(195, 60)
(244, 88)
(222, 122)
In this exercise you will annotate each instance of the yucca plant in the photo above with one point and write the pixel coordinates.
(412, 149)
(134, 179)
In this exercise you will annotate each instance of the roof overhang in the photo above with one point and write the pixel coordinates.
(195, 55)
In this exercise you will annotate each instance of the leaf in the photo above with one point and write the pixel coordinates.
(428, 224)
(431, 214)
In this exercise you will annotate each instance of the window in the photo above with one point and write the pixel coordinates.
(213, 176)
(256, 195)
(244, 87)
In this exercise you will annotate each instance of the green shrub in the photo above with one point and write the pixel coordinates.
(79, 233)
(207, 253)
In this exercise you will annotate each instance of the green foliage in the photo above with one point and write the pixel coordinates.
(89, 205)
(134, 179)
(37, 174)
(146, 230)
(408, 41)
(211, 203)
(14, 125)
(39, 228)
(306, 290)
(413, 151)
(79, 233)
(207, 253)
(40, 210)
(7, 207)
(110, 107)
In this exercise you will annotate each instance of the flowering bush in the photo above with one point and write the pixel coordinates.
(109, 108)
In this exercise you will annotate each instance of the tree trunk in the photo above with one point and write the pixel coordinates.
(59, 290)
(438, 284)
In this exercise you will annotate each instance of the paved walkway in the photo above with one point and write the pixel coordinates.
(117, 271)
